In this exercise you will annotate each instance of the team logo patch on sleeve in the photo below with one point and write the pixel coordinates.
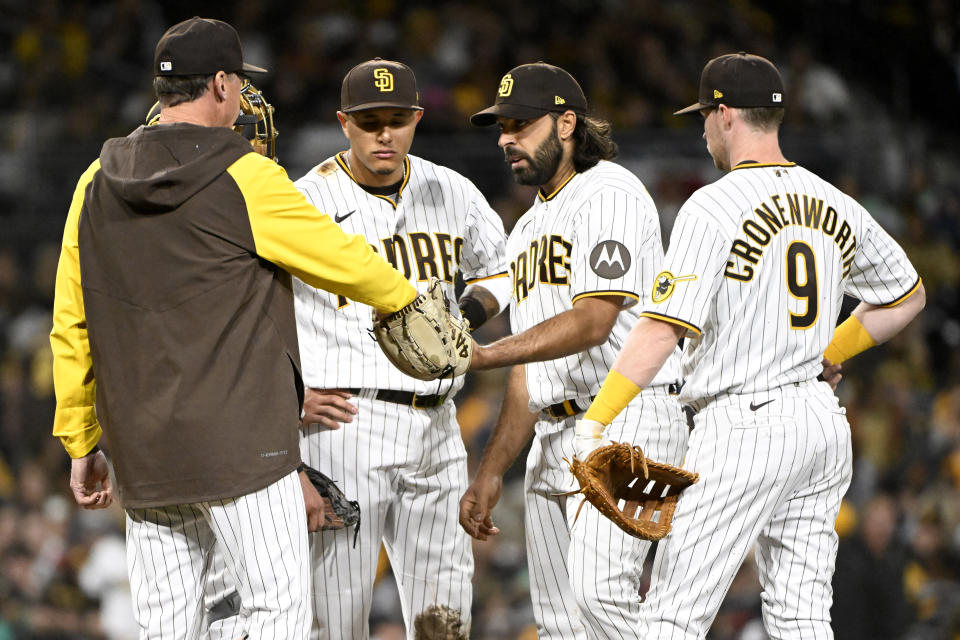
(664, 284)
(610, 259)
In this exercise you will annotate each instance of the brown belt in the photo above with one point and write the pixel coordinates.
(408, 398)
(565, 409)
(569, 408)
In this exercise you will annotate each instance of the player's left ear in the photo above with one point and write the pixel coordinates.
(417, 115)
(566, 123)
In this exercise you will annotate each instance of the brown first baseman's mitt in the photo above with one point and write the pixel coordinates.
(619, 472)
(422, 339)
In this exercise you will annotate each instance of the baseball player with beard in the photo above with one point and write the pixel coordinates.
(580, 259)
(391, 441)
(754, 277)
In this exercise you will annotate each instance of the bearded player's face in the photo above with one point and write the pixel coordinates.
(531, 148)
(379, 141)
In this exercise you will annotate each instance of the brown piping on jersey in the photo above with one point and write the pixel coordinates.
(342, 161)
(677, 321)
(502, 274)
(753, 164)
(544, 198)
(610, 292)
(912, 290)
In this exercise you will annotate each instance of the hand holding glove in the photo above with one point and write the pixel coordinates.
(588, 437)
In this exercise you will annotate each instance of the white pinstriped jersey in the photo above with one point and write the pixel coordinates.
(756, 270)
(597, 234)
(439, 223)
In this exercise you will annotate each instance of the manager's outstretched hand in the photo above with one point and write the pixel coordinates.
(422, 339)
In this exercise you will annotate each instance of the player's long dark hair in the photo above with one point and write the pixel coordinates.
(592, 143)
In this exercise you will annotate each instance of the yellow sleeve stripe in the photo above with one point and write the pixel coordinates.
(912, 290)
(600, 294)
(482, 278)
(291, 233)
(658, 316)
(754, 165)
(75, 421)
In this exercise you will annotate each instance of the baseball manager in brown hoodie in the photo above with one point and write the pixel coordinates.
(174, 333)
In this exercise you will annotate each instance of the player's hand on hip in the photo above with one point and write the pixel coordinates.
(831, 373)
(90, 481)
(587, 438)
(476, 506)
(316, 505)
(327, 407)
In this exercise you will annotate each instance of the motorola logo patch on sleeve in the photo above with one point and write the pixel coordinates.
(610, 259)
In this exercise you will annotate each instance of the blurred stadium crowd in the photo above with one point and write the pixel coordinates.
(873, 87)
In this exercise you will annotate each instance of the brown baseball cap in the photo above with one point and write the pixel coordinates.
(379, 83)
(529, 91)
(739, 80)
(200, 46)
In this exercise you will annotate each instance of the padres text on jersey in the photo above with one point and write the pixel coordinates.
(436, 225)
(597, 235)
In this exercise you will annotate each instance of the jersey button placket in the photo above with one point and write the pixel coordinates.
(396, 214)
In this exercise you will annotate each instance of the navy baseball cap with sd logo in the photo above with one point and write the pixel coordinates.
(531, 90)
(739, 80)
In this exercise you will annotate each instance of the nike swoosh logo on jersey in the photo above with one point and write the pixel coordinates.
(340, 218)
(754, 407)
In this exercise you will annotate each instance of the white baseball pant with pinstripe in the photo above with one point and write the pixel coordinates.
(263, 538)
(585, 575)
(598, 234)
(407, 468)
(756, 272)
(775, 476)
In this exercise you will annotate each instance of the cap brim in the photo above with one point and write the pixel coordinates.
(697, 106)
(489, 115)
(253, 69)
(381, 105)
